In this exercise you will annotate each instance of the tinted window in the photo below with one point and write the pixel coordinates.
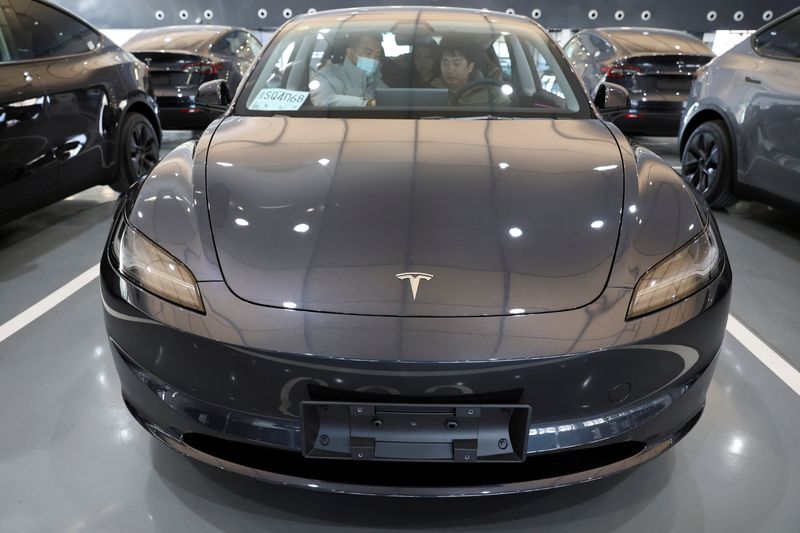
(253, 44)
(781, 40)
(51, 32)
(602, 49)
(238, 44)
(8, 51)
(579, 48)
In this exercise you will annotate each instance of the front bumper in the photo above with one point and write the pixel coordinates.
(228, 392)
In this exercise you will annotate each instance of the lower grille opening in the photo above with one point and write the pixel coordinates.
(329, 394)
(412, 474)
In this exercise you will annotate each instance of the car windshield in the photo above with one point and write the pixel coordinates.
(434, 63)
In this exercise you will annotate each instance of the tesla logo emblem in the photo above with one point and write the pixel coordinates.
(414, 278)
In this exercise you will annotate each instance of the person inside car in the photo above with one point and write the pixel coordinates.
(424, 64)
(461, 75)
(352, 82)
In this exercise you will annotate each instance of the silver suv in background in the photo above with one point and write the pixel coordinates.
(740, 132)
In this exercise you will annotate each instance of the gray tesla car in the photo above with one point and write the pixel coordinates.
(181, 58)
(655, 65)
(476, 286)
(739, 133)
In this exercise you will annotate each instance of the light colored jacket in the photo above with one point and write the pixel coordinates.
(344, 85)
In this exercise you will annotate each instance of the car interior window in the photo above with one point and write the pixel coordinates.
(546, 74)
(602, 49)
(7, 48)
(51, 32)
(576, 49)
(237, 44)
(504, 57)
(589, 47)
(781, 41)
(241, 48)
(225, 44)
(310, 67)
(254, 44)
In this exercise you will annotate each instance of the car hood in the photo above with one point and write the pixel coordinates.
(415, 218)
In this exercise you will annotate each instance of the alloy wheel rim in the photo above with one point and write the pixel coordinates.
(701, 161)
(142, 149)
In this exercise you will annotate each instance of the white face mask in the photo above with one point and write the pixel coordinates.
(368, 65)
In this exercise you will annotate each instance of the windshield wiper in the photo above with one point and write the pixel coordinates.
(472, 117)
(489, 117)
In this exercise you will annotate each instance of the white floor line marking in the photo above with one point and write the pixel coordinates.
(777, 364)
(47, 303)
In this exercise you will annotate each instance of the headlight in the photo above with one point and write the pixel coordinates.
(678, 276)
(152, 268)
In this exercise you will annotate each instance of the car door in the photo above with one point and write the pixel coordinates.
(772, 120)
(27, 168)
(69, 59)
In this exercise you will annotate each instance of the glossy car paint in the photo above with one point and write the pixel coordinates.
(172, 54)
(60, 119)
(758, 99)
(662, 65)
(481, 211)
(224, 387)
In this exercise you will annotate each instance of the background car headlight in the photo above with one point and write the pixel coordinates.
(678, 276)
(151, 267)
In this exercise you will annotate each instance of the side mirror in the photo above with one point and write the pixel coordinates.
(214, 95)
(612, 97)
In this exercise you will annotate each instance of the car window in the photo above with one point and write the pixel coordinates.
(503, 55)
(8, 51)
(781, 41)
(576, 49)
(248, 47)
(602, 49)
(429, 65)
(549, 78)
(51, 32)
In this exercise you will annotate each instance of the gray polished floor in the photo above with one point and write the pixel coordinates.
(73, 460)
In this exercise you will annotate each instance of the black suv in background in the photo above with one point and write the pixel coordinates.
(740, 134)
(656, 66)
(74, 109)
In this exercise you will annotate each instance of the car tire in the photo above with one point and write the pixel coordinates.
(138, 151)
(707, 164)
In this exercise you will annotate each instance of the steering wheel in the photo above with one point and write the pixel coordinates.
(480, 82)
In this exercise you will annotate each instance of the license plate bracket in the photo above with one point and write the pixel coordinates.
(415, 432)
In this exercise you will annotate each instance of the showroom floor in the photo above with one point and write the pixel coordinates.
(72, 459)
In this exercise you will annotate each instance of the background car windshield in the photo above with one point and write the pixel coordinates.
(433, 63)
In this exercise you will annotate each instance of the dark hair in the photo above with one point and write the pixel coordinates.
(353, 39)
(461, 47)
(431, 45)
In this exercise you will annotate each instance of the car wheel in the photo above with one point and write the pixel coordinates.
(138, 149)
(707, 164)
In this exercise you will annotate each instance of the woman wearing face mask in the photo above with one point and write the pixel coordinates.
(459, 67)
(351, 83)
(424, 64)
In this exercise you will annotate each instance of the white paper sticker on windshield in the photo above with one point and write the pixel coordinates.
(278, 100)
